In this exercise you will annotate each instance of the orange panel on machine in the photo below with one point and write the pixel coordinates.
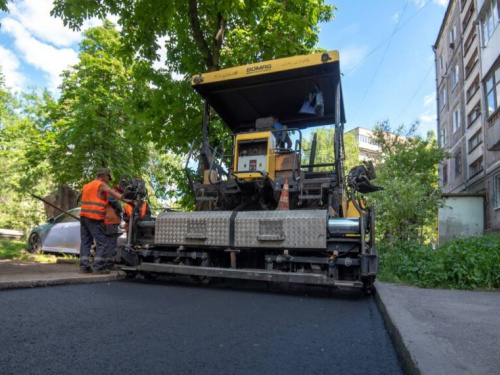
(285, 162)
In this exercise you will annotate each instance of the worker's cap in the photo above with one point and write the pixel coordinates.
(118, 188)
(104, 172)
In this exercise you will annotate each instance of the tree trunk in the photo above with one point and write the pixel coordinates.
(65, 198)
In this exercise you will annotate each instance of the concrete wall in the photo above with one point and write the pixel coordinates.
(462, 216)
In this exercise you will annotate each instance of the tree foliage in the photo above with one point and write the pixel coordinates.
(3, 5)
(92, 124)
(23, 156)
(407, 207)
(325, 151)
(198, 36)
(202, 35)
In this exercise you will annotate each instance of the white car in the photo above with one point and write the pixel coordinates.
(59, 235)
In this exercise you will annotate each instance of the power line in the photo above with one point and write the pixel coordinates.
(415, 93)
(388, 38)
(381, 61)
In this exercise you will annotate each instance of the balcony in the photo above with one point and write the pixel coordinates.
(492, 130)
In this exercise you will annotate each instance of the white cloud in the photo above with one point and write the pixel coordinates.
(395, 18)
(427, 123)
(41, 40)
(34, 16)
(443, 3)
(9, 64)
(430, 100)
(428, 117)
(351, 57)
(421, 3)
(45, 57)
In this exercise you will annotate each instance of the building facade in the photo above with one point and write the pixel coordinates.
(467, 55)
(368, 148)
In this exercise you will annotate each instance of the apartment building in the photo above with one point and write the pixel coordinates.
(467, 55)
(368, 148)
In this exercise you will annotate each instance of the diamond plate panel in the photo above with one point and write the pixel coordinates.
(193, 228)
(299, 229)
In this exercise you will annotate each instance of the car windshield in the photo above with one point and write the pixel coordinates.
(64, 218)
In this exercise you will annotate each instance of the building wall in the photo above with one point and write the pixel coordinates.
(460, 216)
(490, 66)
(474, 166)
(368, 149)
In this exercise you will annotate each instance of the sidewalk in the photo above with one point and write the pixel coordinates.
(441, 332)
(26, 274)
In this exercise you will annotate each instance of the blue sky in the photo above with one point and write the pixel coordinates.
(385, 55)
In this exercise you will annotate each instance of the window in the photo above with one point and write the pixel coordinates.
(456, 119)
(468, 16)
(469, 40)
(443, 136)
(474, 114)
(476, 167)
(475, 140)
(471, 64)
(496, 191)
(492, 86)
(442, 98)
(451, 36)
(441, 67)
(490, 20)
(367, 139)
(474, 86)
(454, 77)
(458, 163)
(445, 174)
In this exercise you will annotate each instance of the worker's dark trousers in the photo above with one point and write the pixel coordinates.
(111, 243)
(91, 230)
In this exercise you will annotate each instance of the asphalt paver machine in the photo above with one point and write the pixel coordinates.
(265, 211)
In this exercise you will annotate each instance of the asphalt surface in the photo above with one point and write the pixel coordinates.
(133, 327)
(433, 331)
(442, 332)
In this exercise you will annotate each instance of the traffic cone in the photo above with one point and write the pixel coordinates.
(284, 203)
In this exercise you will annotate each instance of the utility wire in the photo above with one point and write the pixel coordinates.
(381, 61)
(415, 93)
(388, 38)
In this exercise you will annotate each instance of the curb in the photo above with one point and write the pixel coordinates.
(62, 281)
(408, 363)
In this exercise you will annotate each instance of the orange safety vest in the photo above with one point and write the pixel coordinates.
(111, 216)
(128, 213)
(129, 208)
(93, 206)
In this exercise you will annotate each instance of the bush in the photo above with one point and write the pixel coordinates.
(464, 263)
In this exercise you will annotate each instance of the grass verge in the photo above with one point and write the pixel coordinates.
(464, 263)
(16, 250)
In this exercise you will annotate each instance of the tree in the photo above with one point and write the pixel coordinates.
(93, 125)
(23, 167)
(199, 36)
(205, 35)
(3, 5)
(407, 207)
(5, 100)
(324, 148)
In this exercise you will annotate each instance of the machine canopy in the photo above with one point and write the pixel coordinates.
(281, 88)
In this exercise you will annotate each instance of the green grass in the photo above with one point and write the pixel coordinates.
(16, 250)
(464, 263)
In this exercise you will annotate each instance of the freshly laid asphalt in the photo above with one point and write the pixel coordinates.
(434, 331)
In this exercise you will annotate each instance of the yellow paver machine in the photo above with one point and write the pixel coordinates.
(265, 210)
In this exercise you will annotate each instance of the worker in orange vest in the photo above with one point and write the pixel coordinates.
(142, 212)
(93, 211)
(112, 222)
